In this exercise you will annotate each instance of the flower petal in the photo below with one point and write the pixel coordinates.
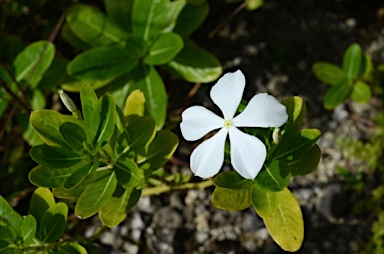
(197, 121)
(263, 110)
(248, 153)
(208, 158)
(227, 93)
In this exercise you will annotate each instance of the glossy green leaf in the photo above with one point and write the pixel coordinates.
(41, 200)
(159, 151)
(174, 11)
(96, 194)
(265, 202)
(190, 18)
(166, 47)
(71, 248)
(361, 92)
(7, 215)
(127, 173)
(53, 223)
(91, 110)
(120, 12)
(336, 95)
(307, 162)
(195, 64)
(47, 124)
(102, 63)
(79, 175)
(72, 38)
(352, 60)
(93, 27)
(296, 110)
(55, 75)
(74, 135)
(274, 176)
(28, 230)
(329, 73)
(135, 104)
(149, 81)
(73, 193)
(33, 61)
(149, 18)
(50, 177)
(117, 207)
(231, 199)
(231, 180)
(107, 120)
(54, 157)
(286, 226)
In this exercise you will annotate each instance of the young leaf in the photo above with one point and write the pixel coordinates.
(33, 61)
(53, 156)
(328, 73)
(8, 215)
(159, 151)
(120, 12)
(117, 206)
(79, 175)
(53, 223)
(195, 64)
(28, 230)
(336, 95)
(265, 202)
(72, 248)
(286, 225)
(102, 63)
(190, 18)
(42, 199)
(307, 162)
(135, 104)
(51, 177)
(231, 199)
(274, 176)
(361, 92)
(166, 47)
(296, 110)
(74, 135)
(352, 60)
(93, 27)
(231, 180)
(127, 173)
(96, 194)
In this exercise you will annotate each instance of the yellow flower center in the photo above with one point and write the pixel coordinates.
(227, 123)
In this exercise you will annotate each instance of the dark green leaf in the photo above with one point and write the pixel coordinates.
(74, 193)
(107, 120)
(136, 46)
(166, 47)
(72, 38)
(55, 74)
(329, 73)
(231, 199)
(71, 248)
(28, 230)
(274, 176)
(91, 110)
(127, 173)
(307, 162)
(336, 95)
(9, 216)
(120, 12)
(41, 200)
(361, 92)
(79, 175)
(352, 60)
(51, 177)
(232, 180)
(53, 223)
(264, 202)
(366, 67)
(54, 157)
(190, 18)
(74, 135)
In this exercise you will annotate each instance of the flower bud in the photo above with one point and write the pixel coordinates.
(68, 102)
(276, 136)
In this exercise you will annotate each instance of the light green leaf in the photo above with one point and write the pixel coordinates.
(120, 12)
(33, 61)
(264, 202)
(231, 199)
(254, 4)
(190, 18)
(127, 173)
(28, 230)
(79, 175)
(195, 64)
(336, 95)
(96, 194)
(296, 110)
(93, 27)
(329, 73)
(159, 151)
(50, 177)
(53, 223)
(352, 60)
(307, 162)
(54, 157)
(361, 92)
(174, 10)
(117, 207)
(166, 47)
(102, 63)
(135, 104)
(8, 215)
(231, 180)
(74, 135)
(286, 226)
(71, 248)
(74, 193)
(41, 200)
(274, 176)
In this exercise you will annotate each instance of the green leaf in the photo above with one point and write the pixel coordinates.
(265, 202)
(96, 194)
(307, 162)
(328, 73)
(117, 207)
(159, 151)
(361, 92)
(72, 38)
(28, 230)
(55, 75)
(286, 226)
(135, 104)
(33, 61)
(79, 175)
(127, 173)
(74, 85)
(231, 180)
(296, 110)
(54, 157)
(136, 46)
(7, 235)
(71, 248)
(51, 177)
(102, 63)
(47, 124)
(166, 47)
(231, 199)
(41, 200)
(254, 4)
(366, 67)
(352, 60)
(120, 12)
(53, 223)
(93, 27)
(74, 135)
(336, 95)
(74, 193)
(149, 18)
(274, 176)
(107, 120)
(13, 219)
(190, 18)
(148, 80)
(195, 64)
(174, 11)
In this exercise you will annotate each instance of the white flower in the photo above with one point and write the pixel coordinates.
(248, 153)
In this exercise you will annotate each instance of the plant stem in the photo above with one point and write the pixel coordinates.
(166, 188)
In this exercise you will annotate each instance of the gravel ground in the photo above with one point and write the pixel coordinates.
(276, 47)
